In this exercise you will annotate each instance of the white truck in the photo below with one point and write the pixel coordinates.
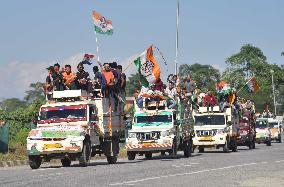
(73, 126)
(215, 129)
(162, 130)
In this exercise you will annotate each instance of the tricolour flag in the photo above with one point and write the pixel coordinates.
(101, 24)
(87, 59)
(148, 67)
(252, 85)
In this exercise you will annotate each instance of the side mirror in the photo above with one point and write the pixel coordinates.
(128, 125)
(229, 123)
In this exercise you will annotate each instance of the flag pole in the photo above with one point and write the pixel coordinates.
(97, 43)
(244, 85)
(177, 23)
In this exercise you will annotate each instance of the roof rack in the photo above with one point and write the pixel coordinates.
(69, 94)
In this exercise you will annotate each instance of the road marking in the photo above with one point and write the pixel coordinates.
(176, 166)
(279, 161)
(264, 162)
(194, 163)
(43, 169)
(180, 174)
(187, 165)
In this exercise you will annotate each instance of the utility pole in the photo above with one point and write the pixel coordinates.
(177, 23)
(273, 90)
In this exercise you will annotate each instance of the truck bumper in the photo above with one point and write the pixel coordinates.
(262, 139)
(67, 146)
(210, 141)
(148, 147)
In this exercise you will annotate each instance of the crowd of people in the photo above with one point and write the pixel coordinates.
(185, 91)
(108, 80)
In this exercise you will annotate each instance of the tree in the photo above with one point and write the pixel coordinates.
(132, 84)
(205, 75)
(282, 53)
(12, 104)
(251, 61)
(36, 92)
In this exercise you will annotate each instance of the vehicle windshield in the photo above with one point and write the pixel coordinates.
(153, 120)
(63, 112)
(209, 120)
(273, 124)
(261, 124)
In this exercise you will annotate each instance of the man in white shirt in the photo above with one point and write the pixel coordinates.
(171, 92)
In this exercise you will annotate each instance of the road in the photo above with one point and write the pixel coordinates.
(263, 166)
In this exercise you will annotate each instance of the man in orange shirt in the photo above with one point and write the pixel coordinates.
(68, 78)
(109, 80)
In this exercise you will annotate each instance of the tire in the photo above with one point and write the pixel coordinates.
(280, 140)
(253, 144)
(34, 162)
(201, 149)
(234, 146)
(250, 145)
(187, 149)
(268, 143)
(112, 159)
(84, 159)
(226, 147)
(66, 162)
(174, 148)
(148, 155)
(131, 155)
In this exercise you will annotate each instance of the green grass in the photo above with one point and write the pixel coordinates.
(12, 156)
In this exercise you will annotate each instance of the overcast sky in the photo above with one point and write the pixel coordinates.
(34, 34)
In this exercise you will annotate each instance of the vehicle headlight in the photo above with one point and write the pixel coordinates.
(165, 133)
(131, 135)
(220, 131)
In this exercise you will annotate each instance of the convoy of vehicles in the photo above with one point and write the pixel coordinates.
(214, 128)
(159, 130)
(73, 126)
(247, 130)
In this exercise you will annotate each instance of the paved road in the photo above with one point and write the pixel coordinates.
(263, 166)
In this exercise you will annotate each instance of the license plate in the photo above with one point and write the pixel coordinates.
(52, 146)
(209, 138)
(149, 142)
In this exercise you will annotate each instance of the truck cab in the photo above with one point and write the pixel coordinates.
(156, 131)
(73, 126)
(215, 129)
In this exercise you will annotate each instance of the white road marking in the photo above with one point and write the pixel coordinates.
(264, 162)
(43, 169)
(279, 161)
(176, 166)
(181, 174)
(187, 165)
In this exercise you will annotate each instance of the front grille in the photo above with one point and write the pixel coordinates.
(202, 133)
(154, 135)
